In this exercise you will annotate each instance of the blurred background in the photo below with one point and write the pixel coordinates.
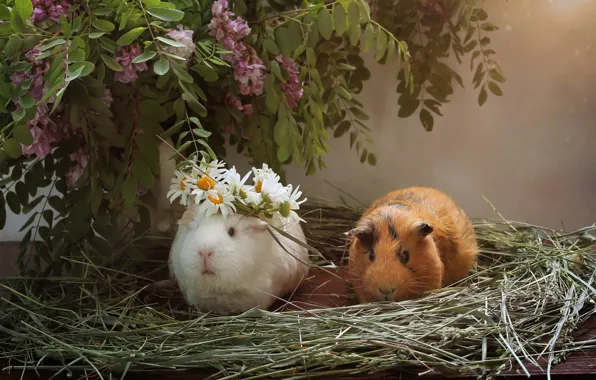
(530, 152)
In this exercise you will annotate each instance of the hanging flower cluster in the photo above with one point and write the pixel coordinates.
(124, 57)
(45, 130)
(217, 189)
(249, 70)
(52, 9)
(292, 89)
(184, 36)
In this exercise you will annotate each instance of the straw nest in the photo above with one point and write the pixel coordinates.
(531, 289)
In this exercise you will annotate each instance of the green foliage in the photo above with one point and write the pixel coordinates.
(187, 98)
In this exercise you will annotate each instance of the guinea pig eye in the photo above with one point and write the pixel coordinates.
(231, 231)
(405, 257)
(371, 255)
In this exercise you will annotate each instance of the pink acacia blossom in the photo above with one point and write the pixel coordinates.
(124, 57)
(235, 101)
(249, 70)
(51, 9)
(183, 36)
(76, 171)
(41, 143)
(292, 89)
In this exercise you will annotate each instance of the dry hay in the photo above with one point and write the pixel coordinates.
(531, 289)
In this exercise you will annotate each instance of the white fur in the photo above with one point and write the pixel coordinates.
(250, 269)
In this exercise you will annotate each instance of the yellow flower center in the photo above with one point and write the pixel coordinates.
(182, 186)
(216, 201)
(259, 186)
(205, 183)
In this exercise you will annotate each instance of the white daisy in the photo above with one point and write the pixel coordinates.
(294, 196)
(232, 178)
(263, 174)
(214, 169)
(251, 197)
(218, 199)
(181, 187)
(274, 191)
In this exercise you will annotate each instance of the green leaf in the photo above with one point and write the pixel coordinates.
(4, 16)
(147, 55)
(147, 145)
(381, 45)
(96, 35)
(339, 19)
(369, 37)
(128, 37)
(103, 25)
(342, 128)
(355, 33)
(143, 174)
(24, 8)
(363, 155)
(48, 216)
(161, 67)
(359, 113)
(497, 75)
(271, 47)
(283, 40)
(77, 55)
(325, 23)
(166, 14)
(427, 120)
(311, 57)
(170, 42)
(372, 159)
(494, 88)
(21, 190)
(57, 204)
(51, 44)
(27, 101)
(353, 14)
(283, 153)
(482, 96)
(13, 46)
(23, 135)
(129, 190)
(16, 22)
(111, 63)
(276, 70)
(313, 31)
(13, 202)
(12, 148)
(281, 132)
(194, 104)
(408, 108)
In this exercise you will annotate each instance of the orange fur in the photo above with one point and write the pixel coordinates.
(425, 222)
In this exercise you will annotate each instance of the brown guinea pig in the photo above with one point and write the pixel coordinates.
(408, 242)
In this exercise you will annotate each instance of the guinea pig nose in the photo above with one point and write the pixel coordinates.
(386, 291)
(206, 253)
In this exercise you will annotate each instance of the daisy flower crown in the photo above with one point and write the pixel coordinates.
(216, 189)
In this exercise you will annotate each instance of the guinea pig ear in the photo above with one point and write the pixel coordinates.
(189, 219)
(424, 229)
(364, 233)
(254, 224)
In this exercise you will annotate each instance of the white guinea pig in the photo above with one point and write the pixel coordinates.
(228, 265)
